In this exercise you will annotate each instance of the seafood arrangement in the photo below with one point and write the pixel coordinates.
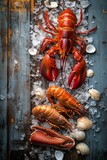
(61, 117)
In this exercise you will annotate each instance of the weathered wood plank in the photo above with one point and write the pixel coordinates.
(98, 140)
(3, 80)
(19, 75)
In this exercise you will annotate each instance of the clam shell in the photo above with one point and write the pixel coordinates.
(84, 123)
(95, 95)
(90, 48)
(32, 51)
(82, 149)
(78, 134)
(90, 73)
(51, 5)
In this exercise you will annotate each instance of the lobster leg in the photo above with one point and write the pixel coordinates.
(48, 137)
(48, 66)
(81, 17)
(47, 41)
(82, 44)
(46, 30)
(49, 23)
(87, 31)
(78, 74)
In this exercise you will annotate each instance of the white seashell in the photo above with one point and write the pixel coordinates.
(78, 134)
(90, 48)
(51, 5)
(39, 93)
(32, 51)
(95, 95)
(59, 155)
(90, 73)
(82, 149)
(84, 123)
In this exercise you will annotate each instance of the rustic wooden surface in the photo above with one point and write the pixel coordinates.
(15, 79)
(3, 80)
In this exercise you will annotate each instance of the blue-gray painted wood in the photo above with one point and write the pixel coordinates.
(98, 140)
(3, 80)
(19, 82)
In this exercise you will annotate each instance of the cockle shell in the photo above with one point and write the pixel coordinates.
(95, 95)
(78, 134)
(90, 73)
(84, 123)
(82, 149)
(90, 48)
(51, 5)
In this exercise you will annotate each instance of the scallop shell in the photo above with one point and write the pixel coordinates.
(51, 5)
(95, 95)
(84, 123)
(82, 149)
(90, 48)
(90, 73)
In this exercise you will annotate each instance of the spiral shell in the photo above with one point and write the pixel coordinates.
(82, 149)
(84, 123)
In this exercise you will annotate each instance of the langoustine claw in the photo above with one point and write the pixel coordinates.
(48, 137)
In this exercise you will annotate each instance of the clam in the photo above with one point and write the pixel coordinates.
(82, 149)
(84, 123)
(32, 51)
(90, 48)
(51, 5)
(78, 134)
(95, 95)
(90, 73)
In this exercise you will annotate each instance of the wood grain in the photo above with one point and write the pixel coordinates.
(3, 80)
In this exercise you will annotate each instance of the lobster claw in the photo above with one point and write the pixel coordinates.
(48, 68)
(78, 74)
(48, 137)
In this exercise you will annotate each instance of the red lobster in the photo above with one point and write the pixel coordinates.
(65, 36)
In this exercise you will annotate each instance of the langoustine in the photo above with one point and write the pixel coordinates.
(66, 99)
(51, 115)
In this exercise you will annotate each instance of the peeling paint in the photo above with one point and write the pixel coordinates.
(12, 120)
(19, 5)
(32, 5)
